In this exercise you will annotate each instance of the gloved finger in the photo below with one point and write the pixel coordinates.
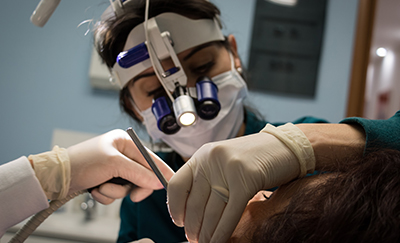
(145, 240)
(115, 191)
(138, 194)
(130, 150)
(178, 191)
(213, 212)
(100, 197)
(229, 219)
(164, 168)
(196, 206)
(138, 174)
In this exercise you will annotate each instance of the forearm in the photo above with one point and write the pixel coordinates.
(334, 143)
(21, 194)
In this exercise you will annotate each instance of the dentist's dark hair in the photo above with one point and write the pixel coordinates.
(110, 34)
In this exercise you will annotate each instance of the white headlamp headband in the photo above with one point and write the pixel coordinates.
(184, 32)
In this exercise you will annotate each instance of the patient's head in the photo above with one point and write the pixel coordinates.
(360, 202)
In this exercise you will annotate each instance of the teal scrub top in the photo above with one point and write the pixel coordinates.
(379, 133)
(150, 218)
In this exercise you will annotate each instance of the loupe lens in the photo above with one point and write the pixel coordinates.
(169, 125)
(207, 95)
(166, 121)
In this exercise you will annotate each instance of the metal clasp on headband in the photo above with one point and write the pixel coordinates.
(161, 48)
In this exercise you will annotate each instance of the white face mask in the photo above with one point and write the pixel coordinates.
(231, 92)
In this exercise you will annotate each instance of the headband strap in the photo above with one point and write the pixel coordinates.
(185, 33)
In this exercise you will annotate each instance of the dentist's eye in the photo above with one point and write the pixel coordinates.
(203, 69)
(156, 92)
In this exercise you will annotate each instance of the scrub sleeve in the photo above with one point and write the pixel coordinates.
(379, 133)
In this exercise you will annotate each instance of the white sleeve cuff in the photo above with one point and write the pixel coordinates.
(21, 194)
(297, 142)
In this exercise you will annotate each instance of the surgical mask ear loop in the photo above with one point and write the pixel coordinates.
(136, 108)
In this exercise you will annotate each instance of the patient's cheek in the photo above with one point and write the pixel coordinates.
(250, 218)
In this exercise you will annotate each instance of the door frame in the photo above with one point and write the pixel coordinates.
(361, 57)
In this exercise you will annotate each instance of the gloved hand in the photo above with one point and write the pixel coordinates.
(209, 193)
(95, 161)
(144, 240)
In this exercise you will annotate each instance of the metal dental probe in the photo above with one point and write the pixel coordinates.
(147, 157)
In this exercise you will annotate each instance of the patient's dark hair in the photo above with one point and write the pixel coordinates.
(361, 204)
(110, 35)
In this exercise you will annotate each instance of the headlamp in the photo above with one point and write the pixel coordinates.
(161, 38)
(181, 32)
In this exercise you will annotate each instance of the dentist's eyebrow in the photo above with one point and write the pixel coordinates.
(142, 76)
(196, 50)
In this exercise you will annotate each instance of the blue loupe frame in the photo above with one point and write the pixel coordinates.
(208, 105)
(166, 121)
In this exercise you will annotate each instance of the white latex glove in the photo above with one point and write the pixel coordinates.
(145, 240)
(209, 193)
(95, 161)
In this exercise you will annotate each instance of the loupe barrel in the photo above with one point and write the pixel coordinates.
(166, 121)
(207, 95)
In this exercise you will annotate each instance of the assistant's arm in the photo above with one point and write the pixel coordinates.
(25, 187)
(20, 193)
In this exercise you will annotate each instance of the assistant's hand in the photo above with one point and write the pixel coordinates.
(209, 193)
(113, 154)
(94, 162)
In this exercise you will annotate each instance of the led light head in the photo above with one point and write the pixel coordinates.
(184, 108)
(187, 119)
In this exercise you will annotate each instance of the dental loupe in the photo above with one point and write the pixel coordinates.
(166, 35)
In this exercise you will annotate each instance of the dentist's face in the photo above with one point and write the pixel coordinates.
(205, 60)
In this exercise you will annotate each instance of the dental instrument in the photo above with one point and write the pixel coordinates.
(147, 157)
